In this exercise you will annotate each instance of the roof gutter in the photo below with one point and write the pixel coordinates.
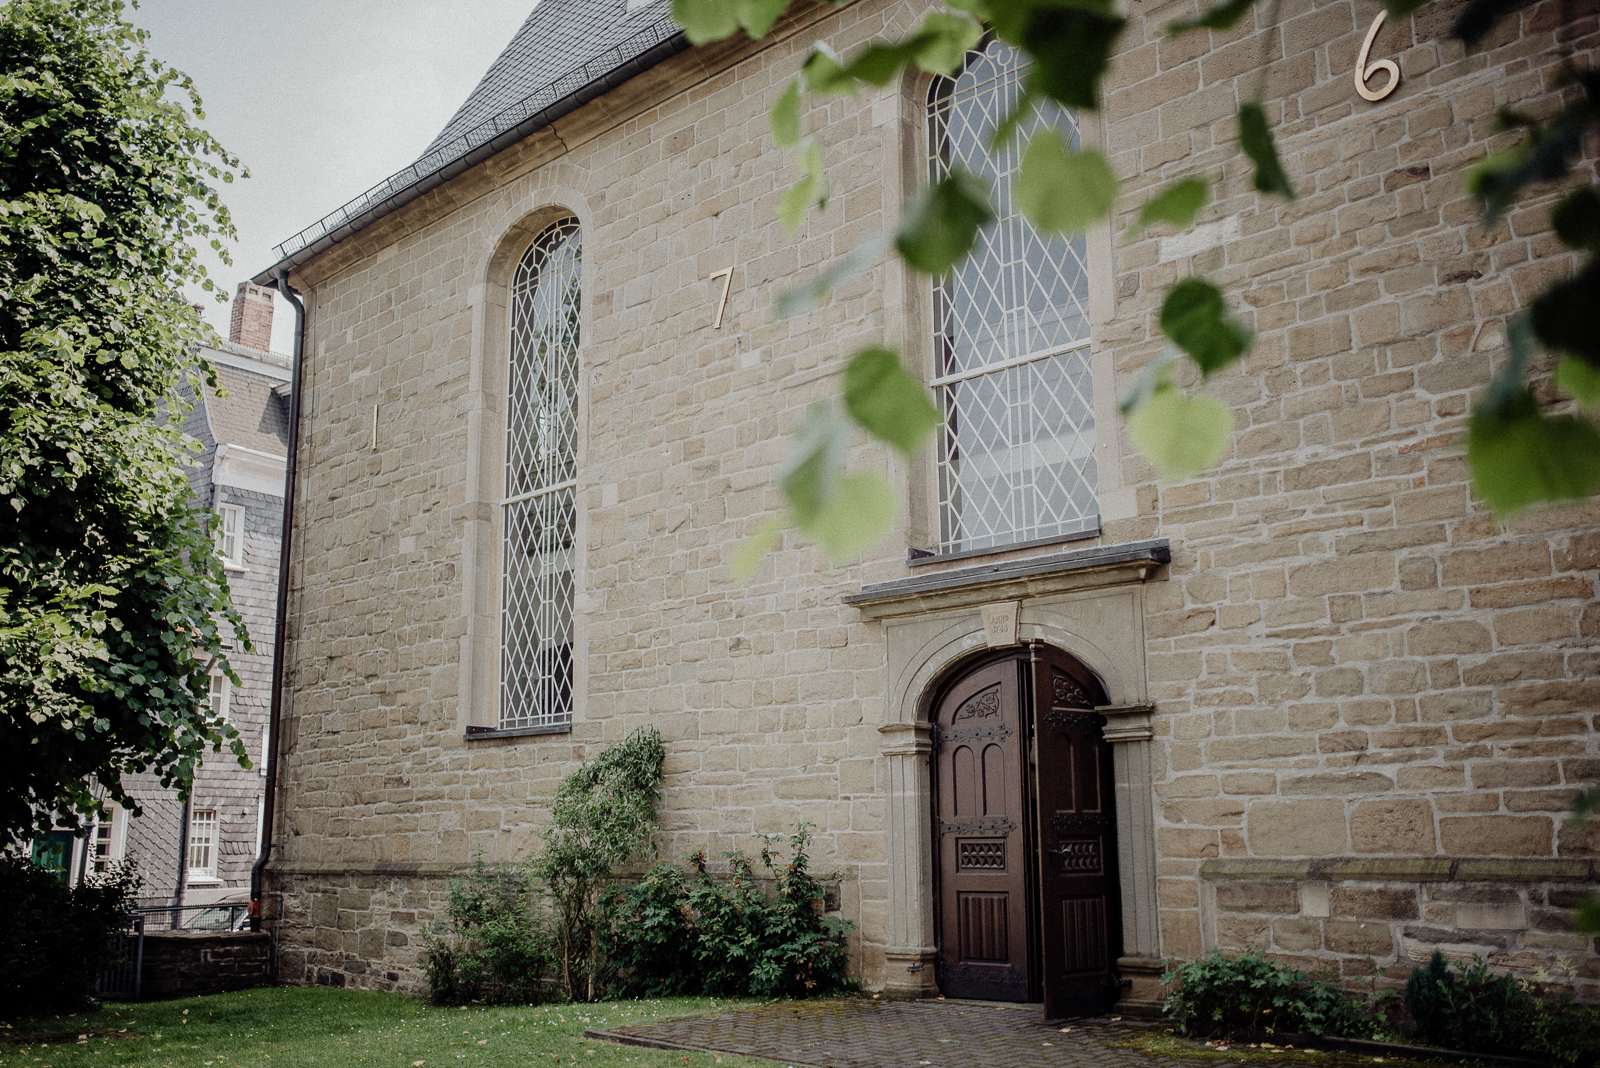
(537, 121)
(281, 628)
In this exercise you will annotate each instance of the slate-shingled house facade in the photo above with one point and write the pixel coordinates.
(201, 853)
(1066, 721)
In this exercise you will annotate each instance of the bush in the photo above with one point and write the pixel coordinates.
(605, 813)
(722, 935)
(494, 949)
(54, 938)
(1466, 1008)
(1222, 995)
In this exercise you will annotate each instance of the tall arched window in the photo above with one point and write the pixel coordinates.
(541, 473)
(1011, 335)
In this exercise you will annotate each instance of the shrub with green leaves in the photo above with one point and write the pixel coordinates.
(1465, 1007)
(1219, 995)
(605, 813)
(495, 949)
(721, 934)
(56, 938)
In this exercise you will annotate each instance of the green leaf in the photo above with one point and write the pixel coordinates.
(945, 39)
(794, 204)
(825, 76)
(757, 16)
(941, 224)
(786, 117)
(755, 549)
(1223, 16)
(815, 292)
(878, 64)
(1070, 41)
(1176, 204)
(1564, 315)
(1181, 436)
(861, 512)
(1521, 457)
(1195, 316)
(890, 403)
(1585, 805)
(1587, 921)
(812, 189)
(1255, 139)
(1580, 380)
(809, 477)
(704, 21)
(1404, 9)
(1577, 219)
(1061, 191)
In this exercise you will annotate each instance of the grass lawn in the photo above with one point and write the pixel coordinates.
(291, 1027)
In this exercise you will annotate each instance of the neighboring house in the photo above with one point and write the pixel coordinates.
(202, 852)
(1065, 721)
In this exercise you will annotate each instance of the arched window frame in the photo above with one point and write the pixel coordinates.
(539, 506)
(1017, 462)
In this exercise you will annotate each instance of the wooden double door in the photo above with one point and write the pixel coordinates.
(1028, 897)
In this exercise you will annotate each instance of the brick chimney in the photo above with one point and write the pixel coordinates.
(251, 325)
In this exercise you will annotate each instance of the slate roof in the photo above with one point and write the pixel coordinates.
(251, 416)
(567, 53)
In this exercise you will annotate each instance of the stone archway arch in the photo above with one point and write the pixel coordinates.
(1087, 604)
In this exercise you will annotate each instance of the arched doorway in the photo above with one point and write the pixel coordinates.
(1028, 902)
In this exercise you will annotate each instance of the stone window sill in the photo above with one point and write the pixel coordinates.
(484, 734)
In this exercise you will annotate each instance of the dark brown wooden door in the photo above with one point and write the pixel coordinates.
(1081, 928)
(981, 825)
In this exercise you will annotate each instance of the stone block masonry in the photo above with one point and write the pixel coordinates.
(1369, 705)
(180, 964)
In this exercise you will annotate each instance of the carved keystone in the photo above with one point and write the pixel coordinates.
(1000, 623)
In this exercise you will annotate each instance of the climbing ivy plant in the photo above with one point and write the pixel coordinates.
(112, 600)
(1524, 447)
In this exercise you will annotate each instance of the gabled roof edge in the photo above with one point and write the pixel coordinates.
(351, 218)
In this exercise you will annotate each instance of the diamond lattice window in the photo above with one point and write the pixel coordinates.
(541, 468)
(1011, 335)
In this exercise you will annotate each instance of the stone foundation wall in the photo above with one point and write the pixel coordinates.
(1370, 922)
(187, 963)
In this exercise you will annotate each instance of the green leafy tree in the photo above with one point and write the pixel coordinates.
(112, 601)
(604, 814)
(1526, 445)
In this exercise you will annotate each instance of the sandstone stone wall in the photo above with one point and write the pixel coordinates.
(1349, 660)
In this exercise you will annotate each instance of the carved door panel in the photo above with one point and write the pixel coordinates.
(1081, 929)
(984, 902)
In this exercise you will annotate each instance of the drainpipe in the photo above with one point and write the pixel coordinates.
(280, 635)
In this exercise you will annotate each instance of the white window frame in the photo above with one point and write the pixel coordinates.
(987, 482)
(204, 847)
(110, 838)
(232, 556)
(219, 696)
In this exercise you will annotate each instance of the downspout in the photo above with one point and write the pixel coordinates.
(280, 635)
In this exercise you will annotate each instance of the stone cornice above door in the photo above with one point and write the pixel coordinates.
(1106, 565)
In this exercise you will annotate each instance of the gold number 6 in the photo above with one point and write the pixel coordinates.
(1364, 73)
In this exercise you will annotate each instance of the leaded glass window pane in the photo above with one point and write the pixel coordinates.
(541, 468)
(1011, 334)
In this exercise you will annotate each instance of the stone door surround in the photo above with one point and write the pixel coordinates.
(1088, 602)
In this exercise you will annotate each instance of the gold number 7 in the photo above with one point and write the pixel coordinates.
(726, 274)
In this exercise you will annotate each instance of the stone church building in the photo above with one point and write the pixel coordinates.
(1065, 721)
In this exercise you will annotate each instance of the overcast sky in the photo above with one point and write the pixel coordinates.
(322, 99)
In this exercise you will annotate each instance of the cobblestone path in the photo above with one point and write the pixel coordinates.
(859, 1033)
